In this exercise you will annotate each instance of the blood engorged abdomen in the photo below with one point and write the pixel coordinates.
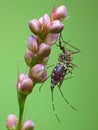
(58, 73)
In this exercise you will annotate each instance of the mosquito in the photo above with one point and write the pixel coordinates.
(61, 69)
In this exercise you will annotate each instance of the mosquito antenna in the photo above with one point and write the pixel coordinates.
(53, 106)
(67, 100)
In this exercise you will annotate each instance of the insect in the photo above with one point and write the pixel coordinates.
(63, 67)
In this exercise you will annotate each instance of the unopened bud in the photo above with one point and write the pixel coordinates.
(32, 44)
(44, 50)
(56, 27)
(35, 26)
(30, 58)
(24, 84)
(38, 73)
(45, 21)
(28, 125)
(51, 38)
(12, 122)
(59, 13)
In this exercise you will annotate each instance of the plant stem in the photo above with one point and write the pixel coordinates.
(21, 101)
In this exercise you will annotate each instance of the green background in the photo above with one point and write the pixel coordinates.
(81, 91)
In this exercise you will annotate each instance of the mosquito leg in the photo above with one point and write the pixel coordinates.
(49, 66)
(70, 71)
(43, 83)
(67, 43)
(53, 106)
(67, 100)
(76, 52)
(69, 77)
(61, 82)
(73, 65)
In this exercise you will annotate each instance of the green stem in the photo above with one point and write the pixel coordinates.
(21, 101)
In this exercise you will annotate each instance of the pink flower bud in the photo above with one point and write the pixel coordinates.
(59, 13)
(24, 84)
(32, 44)
(44, 50)
(30, 58)
(35, 26)
(12, 122)
(28, 125)
(38, 73)
(51, 38)
(45, 21)
(56, 27)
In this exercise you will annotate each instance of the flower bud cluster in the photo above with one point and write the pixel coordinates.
(45, 32)
(46, 25)
(12, 123)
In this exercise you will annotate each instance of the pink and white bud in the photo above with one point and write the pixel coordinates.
(51, 38)
(56, 27)
(30, 58)
(38, 73)
(12, 122)
(28, 125)
(45, 21)
(24, 84)
(44, 50)
(59, 13)
(32, 44)
(35, 26)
